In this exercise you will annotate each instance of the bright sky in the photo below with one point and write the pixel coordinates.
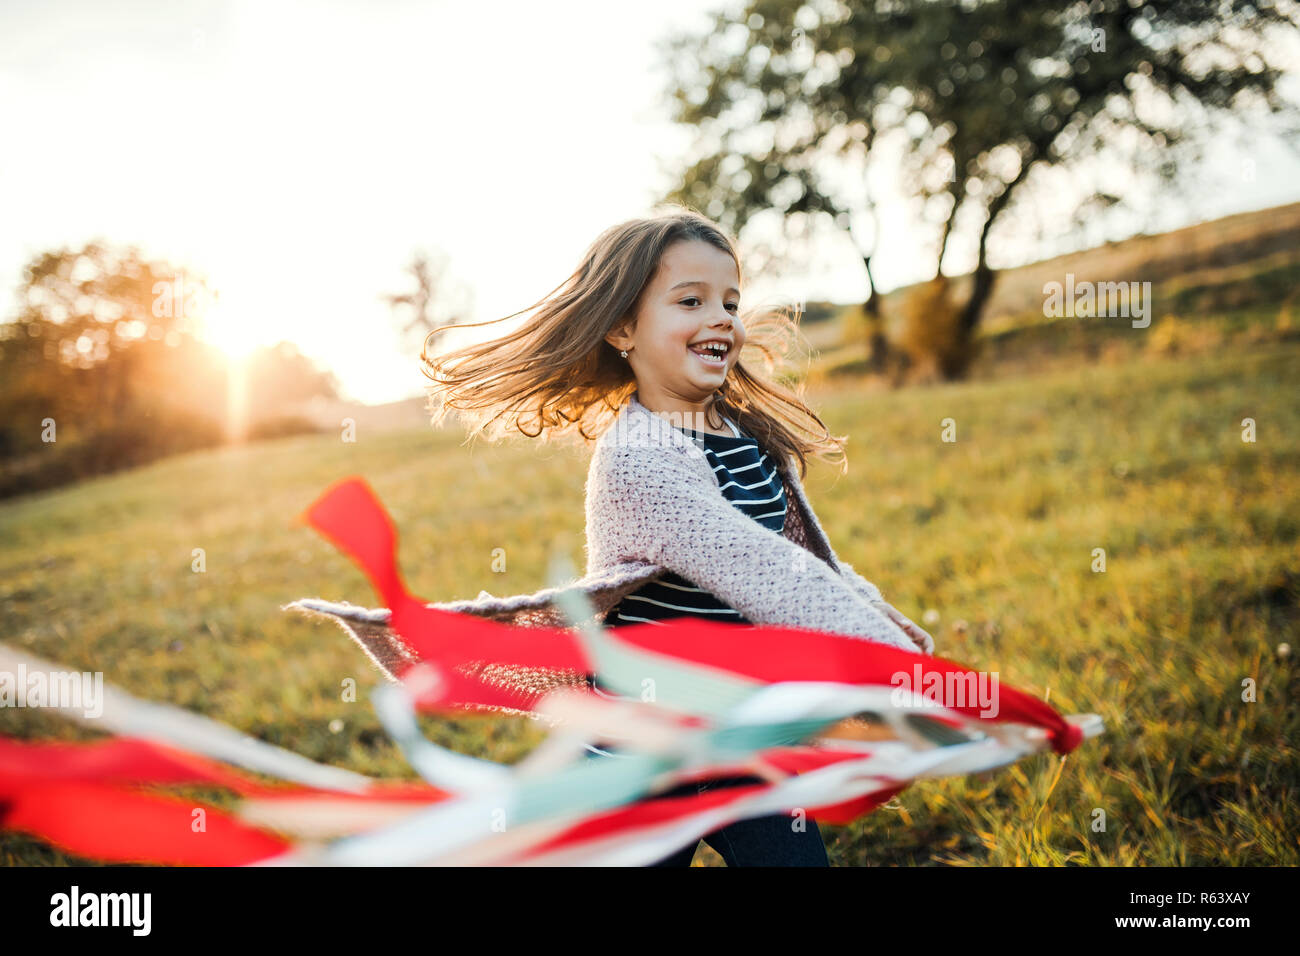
(298, 153)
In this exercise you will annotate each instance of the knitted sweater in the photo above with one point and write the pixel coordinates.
(653, 505)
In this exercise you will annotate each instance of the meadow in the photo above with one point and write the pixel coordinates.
(994, 532)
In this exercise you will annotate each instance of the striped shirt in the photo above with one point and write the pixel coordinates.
(749, 481)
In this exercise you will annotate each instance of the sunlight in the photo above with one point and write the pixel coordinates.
(231, 330)
(236, 398)
(226, 323)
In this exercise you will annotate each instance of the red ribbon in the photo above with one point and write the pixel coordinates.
(351, 516)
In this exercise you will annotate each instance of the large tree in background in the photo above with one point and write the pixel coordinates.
(788, 100)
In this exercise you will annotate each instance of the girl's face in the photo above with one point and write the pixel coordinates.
(693, 299)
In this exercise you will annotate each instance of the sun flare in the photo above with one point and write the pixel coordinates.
(229, 328)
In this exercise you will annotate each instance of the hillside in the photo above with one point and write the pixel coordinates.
(1212, 284)
(994, 533)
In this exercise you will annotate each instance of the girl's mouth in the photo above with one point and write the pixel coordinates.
(712, 354)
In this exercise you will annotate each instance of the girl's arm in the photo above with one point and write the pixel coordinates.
(869, 591)
(920, 637)
(872, 595)
(665, 508)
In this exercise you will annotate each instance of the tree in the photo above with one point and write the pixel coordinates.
(100, 369)
(279, 378)
(437, 301)
(76, 339)
(985, 97)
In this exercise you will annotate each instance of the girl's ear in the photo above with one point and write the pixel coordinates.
(620, 336)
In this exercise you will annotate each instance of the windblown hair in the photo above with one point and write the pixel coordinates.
(557, 374)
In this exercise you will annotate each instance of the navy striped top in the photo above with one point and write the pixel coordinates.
(749, 481)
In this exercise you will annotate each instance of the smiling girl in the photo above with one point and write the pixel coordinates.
(694, 503)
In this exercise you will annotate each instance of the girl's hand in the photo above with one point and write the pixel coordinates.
(918, 635)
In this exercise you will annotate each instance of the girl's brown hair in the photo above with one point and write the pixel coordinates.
(556, 373)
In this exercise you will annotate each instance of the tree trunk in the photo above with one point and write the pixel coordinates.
(878, 351)
(958, 359)
(981, 289)
(984, 278)
(962, 355)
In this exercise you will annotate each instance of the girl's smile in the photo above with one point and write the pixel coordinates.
(713, 352)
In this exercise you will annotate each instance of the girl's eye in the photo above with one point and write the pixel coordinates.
(694, 298)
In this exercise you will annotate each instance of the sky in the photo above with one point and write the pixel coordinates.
(298, 154)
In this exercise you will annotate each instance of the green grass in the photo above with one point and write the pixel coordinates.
(995, 532)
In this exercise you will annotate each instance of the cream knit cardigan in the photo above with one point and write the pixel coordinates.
(653, 505)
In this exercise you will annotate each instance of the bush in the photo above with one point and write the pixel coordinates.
(282, 427)
(931, 333)
(127, 444)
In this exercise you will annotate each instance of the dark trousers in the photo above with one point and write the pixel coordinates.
(771, 840)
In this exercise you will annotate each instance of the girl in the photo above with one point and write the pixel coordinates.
(694, 504)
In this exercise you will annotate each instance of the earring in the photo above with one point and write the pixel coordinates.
(623, 352)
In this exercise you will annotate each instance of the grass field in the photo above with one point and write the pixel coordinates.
(995, 532)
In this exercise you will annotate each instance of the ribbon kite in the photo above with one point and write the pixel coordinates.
(826, 724)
